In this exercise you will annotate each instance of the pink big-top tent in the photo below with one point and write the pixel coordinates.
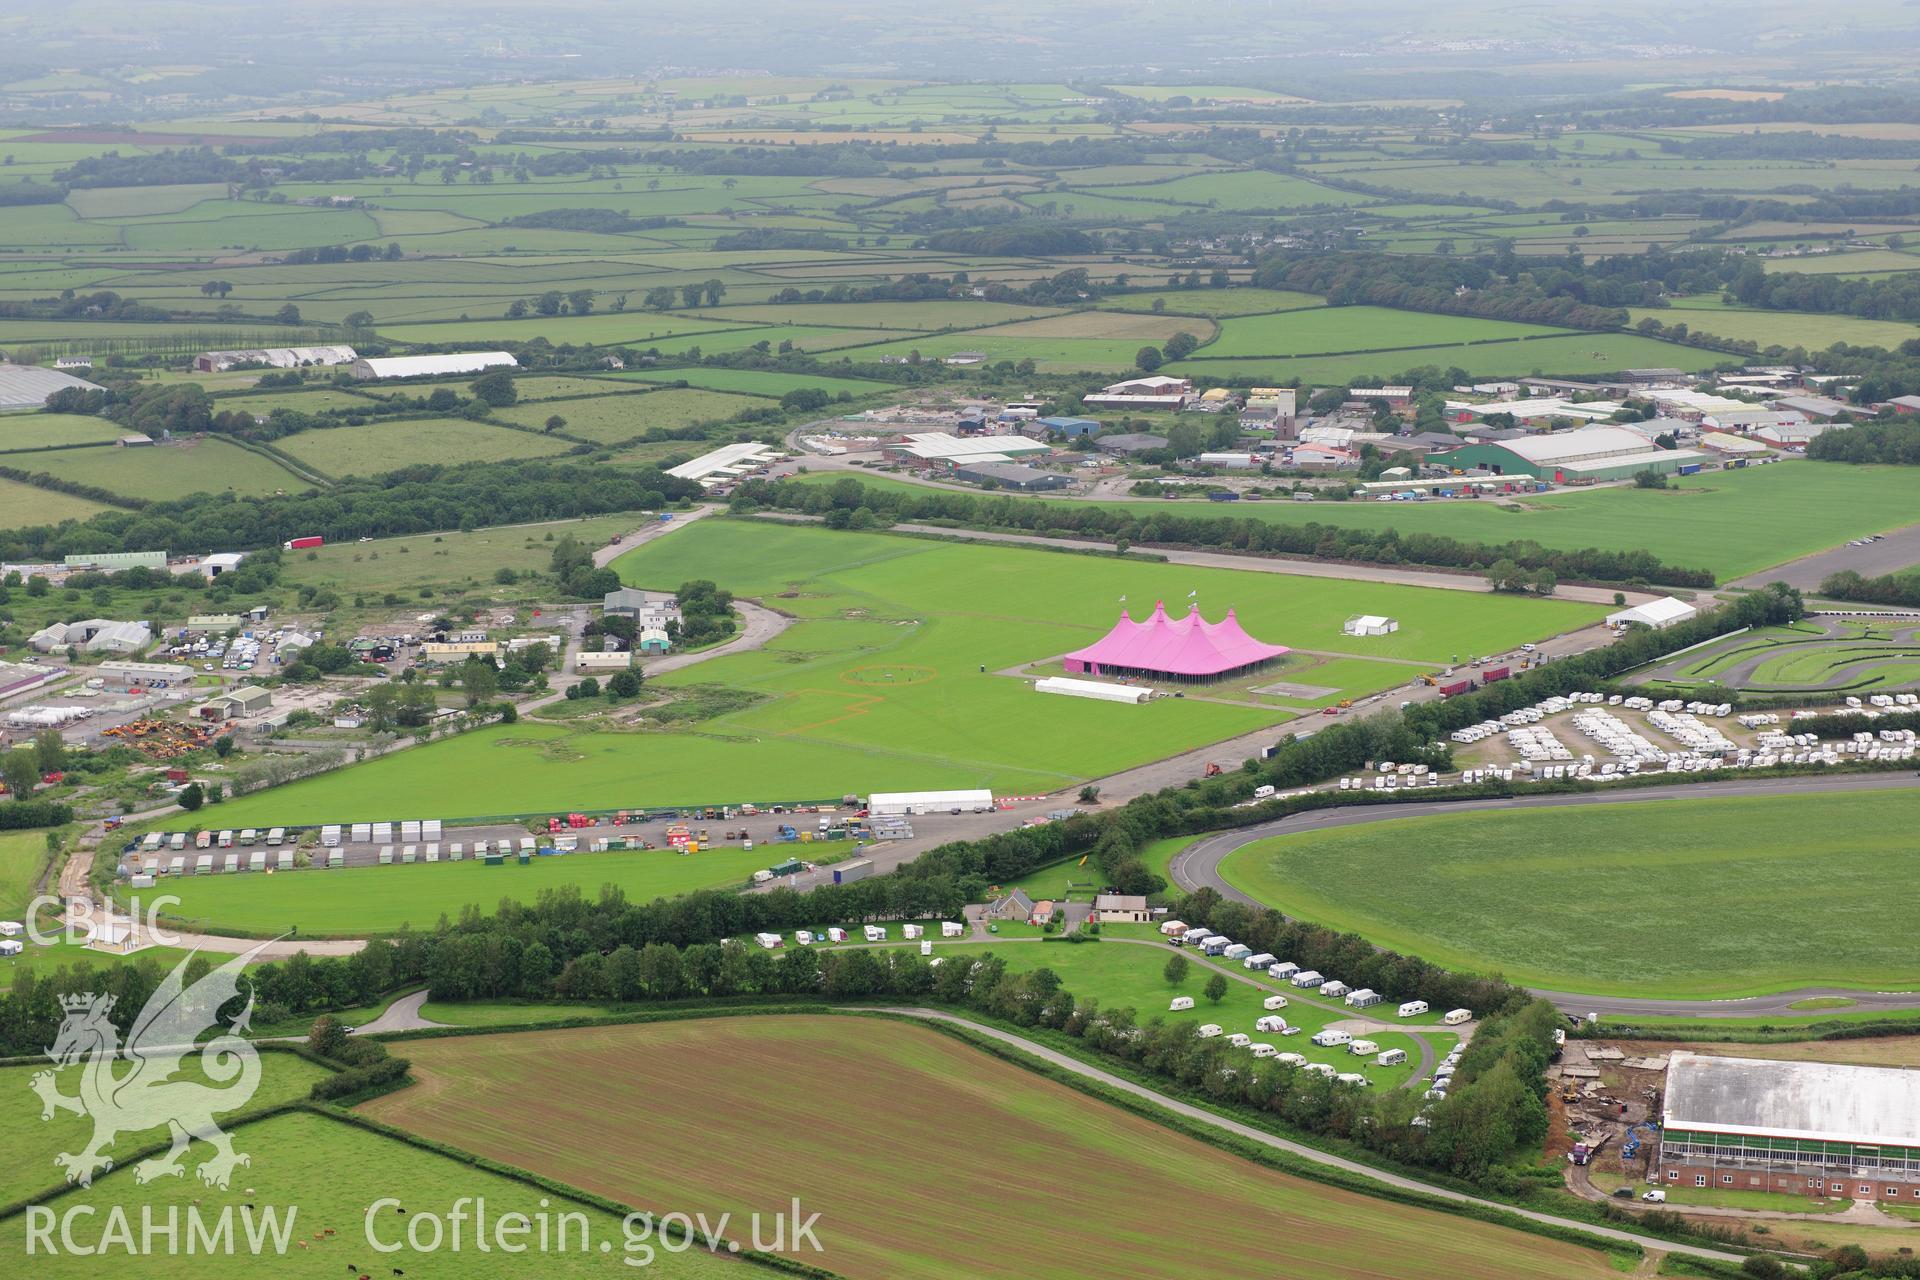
(1189, 648)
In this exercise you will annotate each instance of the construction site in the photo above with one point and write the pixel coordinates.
(1605, 1107)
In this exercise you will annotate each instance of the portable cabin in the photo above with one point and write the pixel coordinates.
(1364, 998)
(257, 860)
(1307, 978)
(1239, 1039)
(408, 853)
(1272, 1022)
(249, 836)
(1260, 961)
(1274, 1002)
(203, 865)
(1285, 969)
(1172, 928)
(1334, 989)
(1330, 1038)
(456, 852)
(286, 859)
(430, 829)
(177, 841)
(381, 833)
(1181, 1002)
(1391, 1057)
(1362, 1048)
(277, 836)
(1413, 1008)
(232, 863)
(526, 846)
(178, 865)
(330, 835)
(433, 851)
(153, 841)
(410, 830)
(1238, 951)
(1457, 1016)
(386, 855)
(335, 858)
(951, 928)
(362, 832)
(224, 840)
(1207, 1030)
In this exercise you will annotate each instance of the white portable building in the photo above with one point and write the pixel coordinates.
(362, 831)
(1370, 624)
(892, 804)
(330, 836)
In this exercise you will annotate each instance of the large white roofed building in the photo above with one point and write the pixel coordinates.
(277, 357)
(1589, 454)
(27, 386)
(726, 463)
(1657, 614)
(429, 366)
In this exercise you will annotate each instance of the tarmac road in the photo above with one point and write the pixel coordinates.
(1199, 865)
(1894, 552)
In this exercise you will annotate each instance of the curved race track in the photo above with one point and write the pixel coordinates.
(1198, 865)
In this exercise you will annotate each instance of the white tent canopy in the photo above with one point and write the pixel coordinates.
(893, 803)
(1370, 624)
(1096, 689)
(1663, 612)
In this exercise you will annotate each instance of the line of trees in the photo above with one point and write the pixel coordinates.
(1900, 590)
(1896, 440)
(1142, 525)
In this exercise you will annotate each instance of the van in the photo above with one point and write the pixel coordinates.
(1457, 1016)
(1262, 792)
(1655, 1196)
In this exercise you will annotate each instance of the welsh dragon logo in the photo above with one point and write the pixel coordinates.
(148, 1097)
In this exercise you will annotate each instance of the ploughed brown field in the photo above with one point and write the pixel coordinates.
(924, 1157)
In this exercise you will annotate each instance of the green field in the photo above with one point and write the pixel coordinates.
(451, 561)
(716, 1087)
(358, 901)
(760, 382)
(1674, 898)
(1567, 355)
(41, 430)
(198, 465)
(25, 505)
(22, 855)
(1216, 302)
(880, 686)
(1730, 522)
(300, 1167)
(1317, 330)
(612, 419)
(1814, 332)
(388, 446)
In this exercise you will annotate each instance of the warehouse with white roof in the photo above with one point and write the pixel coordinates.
(728, 462)
(275, 357)
(1812, 1128)
(27, 386)
(1589, 454)
(431, 366)
(931, 448)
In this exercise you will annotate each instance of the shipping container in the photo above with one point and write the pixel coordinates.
(1455, 689)
(1495, 673)
(851, 870)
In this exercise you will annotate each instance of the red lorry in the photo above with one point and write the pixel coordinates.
(1495, 673)
(1455, 689)
(300, 544)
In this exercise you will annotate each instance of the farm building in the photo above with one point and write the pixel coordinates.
(26, 386)
(1905, 405)
(652, 640)
(1187, 650)
(74, 362)
(1120, 908)
(437, 652)
(1658, 614)
(1814, 408)
(1590, 453)
(1011, 475)
(146, 675)
(728, 462)
(432, 366)
(221, 562)
(1370, 624)
(1094, 689)
(275, 357)
(1129, 443)
(114, 561)
(1814, 1128)
(1071, 428)
(241, 704)
(1157, 392)
(1397, 398)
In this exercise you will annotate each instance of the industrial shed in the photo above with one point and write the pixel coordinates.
(728, 462)
(887, 804)
(1588, 454)
(432, 366)
(1011, 475)
(275, 357)
(1815, 1128)
(26, 386)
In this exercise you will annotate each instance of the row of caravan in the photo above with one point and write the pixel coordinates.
(154, 841)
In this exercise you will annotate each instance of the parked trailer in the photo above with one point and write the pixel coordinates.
(1180, 1002)
(301, 544)
(1457, 1016)
(852, 869)
(1330, 1038)
(1274, 1002)
(1362, 1048)
(334, 859)
(1413, 1008)
(1391, 1057)
(1456, 688)
(1495, 673)
(225, 840)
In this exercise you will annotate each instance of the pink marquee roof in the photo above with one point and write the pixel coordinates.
(1189, 646)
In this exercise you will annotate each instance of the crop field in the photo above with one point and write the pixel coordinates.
(716, 1088)
(1780, 328)
(451, 561)
(298, 1161)
(388, 446)
(171, 470)
(356, 901)
(1337, 329)
(1216, 302)
(1691, 896)
(917, 317)
(880, 687)
(616, 418)
(1730, 522)
(1569, 355)
(19, 431)
(759, 382)
(639, 328)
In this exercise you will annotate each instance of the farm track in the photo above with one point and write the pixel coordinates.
(1065, 1062)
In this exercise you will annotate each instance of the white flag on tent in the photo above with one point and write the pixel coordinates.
(1192, 595)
